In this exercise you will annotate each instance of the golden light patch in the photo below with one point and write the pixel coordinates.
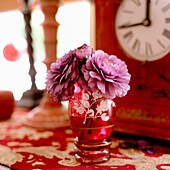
(18, 144)
(8, 156)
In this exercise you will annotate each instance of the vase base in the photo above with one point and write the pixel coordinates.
(92, 156)
(92, 153)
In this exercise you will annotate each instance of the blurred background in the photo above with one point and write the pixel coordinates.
(14, 61)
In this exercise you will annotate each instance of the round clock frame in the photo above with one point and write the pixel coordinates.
(143, 28)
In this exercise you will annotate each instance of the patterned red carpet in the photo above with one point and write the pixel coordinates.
(24, 148)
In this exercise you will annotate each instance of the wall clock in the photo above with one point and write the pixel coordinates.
(143, 28)
(138, 32)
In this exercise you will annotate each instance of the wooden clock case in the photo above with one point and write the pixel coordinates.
(145, 110)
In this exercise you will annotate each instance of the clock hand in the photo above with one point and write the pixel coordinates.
(147, 21)
(147, 9)
(130, 25)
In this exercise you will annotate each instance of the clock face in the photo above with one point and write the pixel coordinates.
(143, 28)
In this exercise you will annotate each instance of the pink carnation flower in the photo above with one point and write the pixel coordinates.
(62, 76)
(105, 73)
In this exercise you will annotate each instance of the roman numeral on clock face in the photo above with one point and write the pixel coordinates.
(157, 1)
(166, 33)
(136, 45)
(160, 43)
(128, 11)
(137, 2)
(128, 36)
(148, 49)
(167, 20)
(166, 7)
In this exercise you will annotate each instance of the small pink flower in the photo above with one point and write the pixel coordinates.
(83, 52)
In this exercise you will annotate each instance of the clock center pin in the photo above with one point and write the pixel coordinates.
(147, 22)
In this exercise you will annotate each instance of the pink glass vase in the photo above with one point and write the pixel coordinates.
(92, 119)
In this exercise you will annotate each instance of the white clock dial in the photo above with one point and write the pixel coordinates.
(143, 28)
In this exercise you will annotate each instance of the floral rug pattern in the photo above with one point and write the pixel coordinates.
(26, 148)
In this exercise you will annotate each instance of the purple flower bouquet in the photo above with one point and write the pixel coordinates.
(93, 70)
